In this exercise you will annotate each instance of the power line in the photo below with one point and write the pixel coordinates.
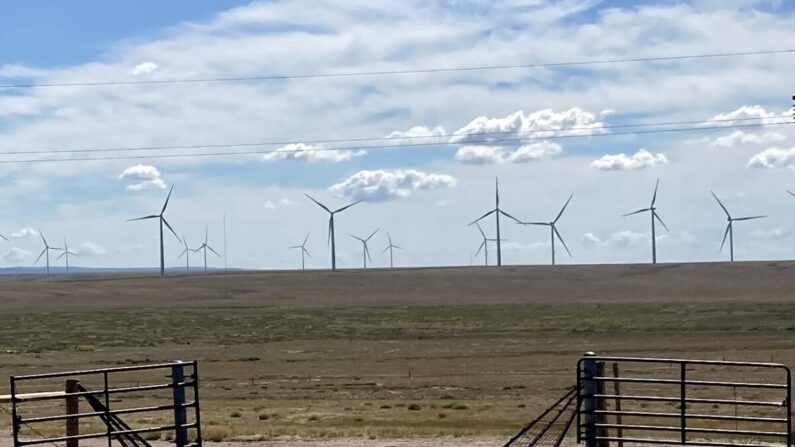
(401, 72)
(370, 139)
(393, 147)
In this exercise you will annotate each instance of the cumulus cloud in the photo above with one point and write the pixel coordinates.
(739, 137)
(418, 132)
(619, 239)
(142, 177)
(144, 68)
(15, 254)
(641, 159)
(480, 154)
(541, 124)
(24, 233)
(774, 157)
(589, 239)
(88, 249)
(380, 185)
(281, 203)
(743, 114)
(312, 153)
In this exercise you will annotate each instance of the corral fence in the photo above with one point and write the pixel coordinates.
(125, 405)
(687, 402)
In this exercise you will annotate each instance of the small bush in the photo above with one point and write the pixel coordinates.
(385, 407)
(414, 407)
(235, 414)
(263, 417)
(442, 415)
(215, 434)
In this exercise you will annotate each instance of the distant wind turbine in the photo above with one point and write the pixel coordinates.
(304, 252)
(553, 230)
(496, 211)
(331, 238)
(391, 247)
(46, 252)
(730, 226)
(66, 254)
(185, 252)
(206, 247)
(484, 246)
(365, 249)
(162, 220)
(654, 216)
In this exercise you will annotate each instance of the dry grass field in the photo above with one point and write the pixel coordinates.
(414, 354)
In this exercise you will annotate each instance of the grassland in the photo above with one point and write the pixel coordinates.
(393, 354)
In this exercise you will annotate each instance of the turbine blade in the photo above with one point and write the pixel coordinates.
(347, 206)
(318, 203)
(306, 251)
(305, 239)
(357, 238)
(4, 237)
(60, 256)
(398, 247)
(168, 197)
(481, 230)
(182, 254)
(654, 197)
(211, 249)
(791, 193)
(42, 238)
(636, 212)
(534, 223)
(330, 226)
(509, 216)
(205, 234)
(387, 248)
(483, 244)
(40, 255)
(295, 246)
(725, 234)
(388, 236)
(151, 216)
(560, 238)
(372, 234)
(74, 254)
(749, 218)
(172, 230)
(367, 252)
(721, 205)
(482, 217)
(563, 209)
(657, 216)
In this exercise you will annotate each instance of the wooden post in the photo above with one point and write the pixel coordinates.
(617, 392)
(72, 407)
(180, 415)
(601, 405)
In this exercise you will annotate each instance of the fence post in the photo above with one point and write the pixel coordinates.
(72, 407)
(617, 391)
(589, 403)
(601, 405)
(14, 415)
(180, 414)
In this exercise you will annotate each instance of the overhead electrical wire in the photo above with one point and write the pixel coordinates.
(387, 147)
(396, 72)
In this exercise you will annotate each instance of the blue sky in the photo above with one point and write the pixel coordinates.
(423, 196)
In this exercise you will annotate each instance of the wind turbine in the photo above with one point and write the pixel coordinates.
(730, 227)
(365, 249)
(162, 220)
(66, 254)
(304, 252)
(206, 247)
(331, 237)
(496, 211)
(553, 231)
(484, 246)
(186, 253)
(654, 216)
(46, 252)
(391, 248)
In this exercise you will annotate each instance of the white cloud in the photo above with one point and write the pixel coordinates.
(15, 254)
(541, 124)
(142, 177)
(24, 233)
(380, 185)
(144, 68)
(772, 158)
(743, 114)
(479, 154)
(418, 132)
(88, 249)
(775, 234)
(589, 239)
(641, 159)
(626, 238)
(312, 153)
(739, 137)
(281, 203)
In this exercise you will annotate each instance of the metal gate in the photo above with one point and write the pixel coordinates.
(46, 408)
(688, 402)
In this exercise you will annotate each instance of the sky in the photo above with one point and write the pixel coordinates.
(460, 130)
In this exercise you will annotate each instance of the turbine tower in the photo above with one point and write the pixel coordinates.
(391, 247)
(46, 252)
(186, 253)
(365, 249)
(553, 230)
(66, 254)
(654, 216)
(206, 247)
(496, 211)
(162, 220)
(304, 252)
(331, 238)
(730, 226)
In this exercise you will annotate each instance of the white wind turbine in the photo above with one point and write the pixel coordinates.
(365, 249)
(46, 252)
(730, 227)
(304, 252)
(391, 247)
(553, 230)
(654, 216)
(66, 253)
